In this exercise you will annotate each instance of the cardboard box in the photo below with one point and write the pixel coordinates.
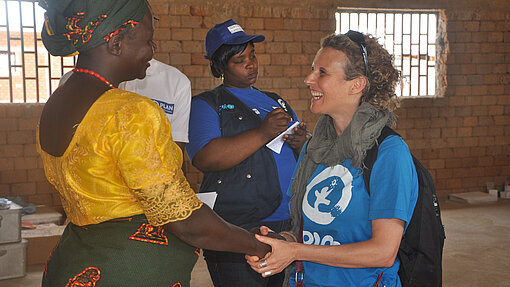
(13, 260)
(42, 241)
(40, 248)
(44, 234)
(10, 224)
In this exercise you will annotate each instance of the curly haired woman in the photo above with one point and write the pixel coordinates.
(349, 237)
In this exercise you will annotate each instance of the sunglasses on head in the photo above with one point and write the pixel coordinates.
(359, 39)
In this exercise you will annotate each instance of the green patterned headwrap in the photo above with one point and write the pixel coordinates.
(74, 26)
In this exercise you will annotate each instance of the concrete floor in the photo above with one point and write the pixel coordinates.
(476, 253)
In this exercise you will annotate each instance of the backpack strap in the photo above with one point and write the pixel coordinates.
(371, 156)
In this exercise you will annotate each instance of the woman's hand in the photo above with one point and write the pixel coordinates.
(298, 138)
(281, 256)
(274, 123)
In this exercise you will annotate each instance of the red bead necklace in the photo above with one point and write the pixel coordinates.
(79, 70)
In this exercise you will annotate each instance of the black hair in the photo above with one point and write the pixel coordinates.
(220, 58)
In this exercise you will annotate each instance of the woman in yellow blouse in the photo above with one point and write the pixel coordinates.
(110, 154)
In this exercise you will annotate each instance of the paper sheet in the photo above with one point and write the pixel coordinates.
(208, 198)
(277, 143)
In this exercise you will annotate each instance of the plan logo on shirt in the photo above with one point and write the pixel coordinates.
(168, 108)
(328, 195)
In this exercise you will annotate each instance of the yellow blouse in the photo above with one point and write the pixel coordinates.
(121, 161)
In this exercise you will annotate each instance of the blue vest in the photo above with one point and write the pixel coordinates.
(249, 191)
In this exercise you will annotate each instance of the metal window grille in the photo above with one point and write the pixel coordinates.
(411, 36)
(28, 73)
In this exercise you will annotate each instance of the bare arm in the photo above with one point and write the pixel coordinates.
(226, 152)
(378, 251)
(181, 146)
(205, 229)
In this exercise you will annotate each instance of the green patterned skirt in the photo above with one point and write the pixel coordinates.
(120, 252)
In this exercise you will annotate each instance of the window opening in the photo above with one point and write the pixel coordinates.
(414, 37)
(28, 73)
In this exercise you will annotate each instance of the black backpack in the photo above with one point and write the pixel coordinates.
(421, 248)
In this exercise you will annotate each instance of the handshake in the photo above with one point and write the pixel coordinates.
(283, 248)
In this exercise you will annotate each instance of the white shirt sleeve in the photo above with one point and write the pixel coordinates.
(180, 123)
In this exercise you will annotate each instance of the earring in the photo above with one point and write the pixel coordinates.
(222, 78)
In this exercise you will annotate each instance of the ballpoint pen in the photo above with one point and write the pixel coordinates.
(268, 111)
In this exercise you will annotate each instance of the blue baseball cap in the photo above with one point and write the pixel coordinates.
(228, 32)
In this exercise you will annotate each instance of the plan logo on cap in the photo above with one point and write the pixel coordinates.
(235, 28)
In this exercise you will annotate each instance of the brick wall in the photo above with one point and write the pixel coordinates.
(463, 138)
(30, 89)
(21, 172)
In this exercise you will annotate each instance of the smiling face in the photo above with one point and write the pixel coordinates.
(139, 47)
(331, 93)
(242, 69)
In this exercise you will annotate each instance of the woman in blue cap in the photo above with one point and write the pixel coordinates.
(109, 153)
(230, 126)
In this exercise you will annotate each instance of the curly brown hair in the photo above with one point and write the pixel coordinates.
(382, 76)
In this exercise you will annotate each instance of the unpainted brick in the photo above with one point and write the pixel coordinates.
(281, 12)
(283, 36)
(262, 11)
(26, 163)
(162, 57)
(162, 34)
(460, 172)
(45, 187)
(464, 111)
(495, 36)
(199, 35)
(198, 59)
(302, 36)
(192, 46)
(10, 150)
(24, 188)
(170, 46)
(281, 83)
(503, 100)
(298, 59)
(8, 124)
(15, 111)
(253, 23)
(179, 9)
(264, 60)
(311, 24)
(292, 24)
(13, 176)
(20, 137)
(160, 8)
(201, 10)
(280, 59)
(273, 71)
(291, 71)
(246, 11)
(36, 175)
(274, 48)
(29, 124)
(496, 110)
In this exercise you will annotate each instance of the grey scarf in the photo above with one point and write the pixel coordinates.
(328, 148)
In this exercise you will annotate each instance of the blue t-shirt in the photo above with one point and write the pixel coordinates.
(204, 126)
(337, 209)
